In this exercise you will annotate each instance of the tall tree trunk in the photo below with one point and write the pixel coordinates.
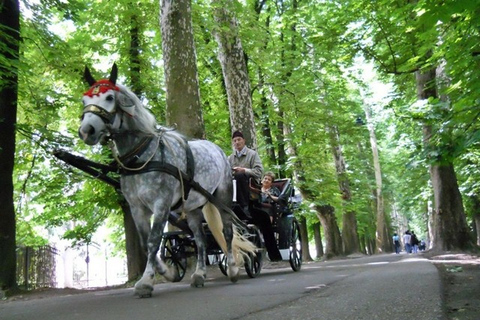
(10, 37)
(325, 213)
(349, 225)
(134, 56)
(448, 218)
(317, 233)
(476, 217)
(306, 256)
(235, 72)
(334, 246)
(265, 121)
(382, 237)
(183, 108)
(264, 117)
(136, 257)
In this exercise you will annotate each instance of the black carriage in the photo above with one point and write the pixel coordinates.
(179, 245)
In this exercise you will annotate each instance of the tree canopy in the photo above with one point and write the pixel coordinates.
(312, 65)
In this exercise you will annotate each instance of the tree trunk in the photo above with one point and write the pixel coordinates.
(450, 230)
(306, 256)
(183, 109)
(10, 35)
(448, 217)
(317, 233)
(349, 225)
(476, 217)
(326, 215)
(136, 256)
(476, 221)
(134, 57)
(383, 239)
(235, 73)
(265, 118)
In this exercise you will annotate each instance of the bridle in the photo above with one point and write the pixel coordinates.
(107, 117)
(98, 87)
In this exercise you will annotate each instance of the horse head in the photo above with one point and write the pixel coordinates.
(102, 104)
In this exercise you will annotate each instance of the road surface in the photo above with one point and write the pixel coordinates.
(371, 287)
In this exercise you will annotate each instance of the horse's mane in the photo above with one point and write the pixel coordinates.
(143, 119)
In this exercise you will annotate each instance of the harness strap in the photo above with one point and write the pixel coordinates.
(189, 182)
(130, 158)
(186, 179)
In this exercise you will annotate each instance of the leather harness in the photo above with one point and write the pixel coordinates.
(130, 160)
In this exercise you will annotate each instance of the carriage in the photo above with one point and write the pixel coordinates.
(163, 174)
(177, 246)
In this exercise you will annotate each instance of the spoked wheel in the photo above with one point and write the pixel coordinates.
(173, 253)
(223, 265)
(253, 264)
(295, 257)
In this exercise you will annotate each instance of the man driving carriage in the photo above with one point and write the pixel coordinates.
(246, 165)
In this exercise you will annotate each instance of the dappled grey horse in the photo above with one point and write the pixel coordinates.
(162, 172)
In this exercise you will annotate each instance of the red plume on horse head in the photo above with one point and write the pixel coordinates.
(103, 85)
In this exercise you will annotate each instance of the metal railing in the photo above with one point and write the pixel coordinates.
(36, 267)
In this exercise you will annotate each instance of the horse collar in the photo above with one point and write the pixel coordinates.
(132, 156)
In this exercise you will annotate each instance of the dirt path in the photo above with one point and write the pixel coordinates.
(460, 274)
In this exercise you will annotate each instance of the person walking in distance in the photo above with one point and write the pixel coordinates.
(414, 242)
(396, 243)
(407, 238)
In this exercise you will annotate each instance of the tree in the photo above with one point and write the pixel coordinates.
(449, 223)
(403, 44)
(334, 246)
(234, 68)
(349, 227)
(183, 108)
(318, 240)
(382, 238)
(10, 36)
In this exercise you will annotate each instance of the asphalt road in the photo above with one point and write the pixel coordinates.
(373, 287)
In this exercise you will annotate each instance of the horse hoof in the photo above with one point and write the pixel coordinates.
(144, 291)
(197, 281)
(146, 295)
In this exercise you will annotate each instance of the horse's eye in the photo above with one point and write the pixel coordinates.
(110, 97)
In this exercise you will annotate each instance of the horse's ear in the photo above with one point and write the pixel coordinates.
(113, 73)
(88, 76)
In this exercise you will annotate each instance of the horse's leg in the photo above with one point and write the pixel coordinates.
(144, 286)
(233, 269)
(224, 194)
(195, 219)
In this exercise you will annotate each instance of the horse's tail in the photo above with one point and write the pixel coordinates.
(241, 246)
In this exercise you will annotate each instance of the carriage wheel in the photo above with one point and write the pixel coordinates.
(172, 252)
(223, 265)
(295, 257)
(253, 264)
